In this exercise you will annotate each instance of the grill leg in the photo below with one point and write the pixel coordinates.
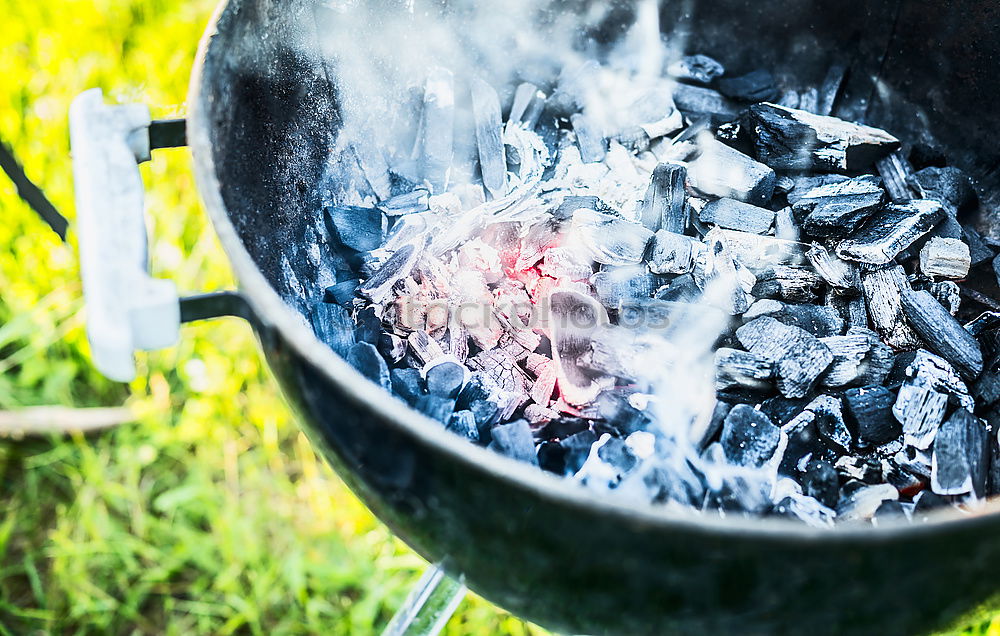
(428, 607)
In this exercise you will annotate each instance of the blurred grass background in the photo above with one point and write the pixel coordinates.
(209, 514)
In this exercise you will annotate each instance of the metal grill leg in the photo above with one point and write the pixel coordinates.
(428, 607)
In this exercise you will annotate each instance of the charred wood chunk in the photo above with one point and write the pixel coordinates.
(869, 409)
(849, 355)
(755, 86)
(492, 159)
(590, 138)
(819, 320)
(961, 460)
(856, 470)
(835, 271)
(696, 68)
(515, 441)
(621, 284)
(838, 209)
(736, 215)
(943, 334)
(356, 228)
(413, 202)
(735, 369)
(392, 347)
(949, 185)
(948, 293)
(801, 184)
(945, 258)
(894, 170)
(920, 410)
(664, 207)
(803, 444)
(397, 267)
(891, 231)
(883, 288)
(575, 318)
(527, 106)
(830, 422)
(923, 368)
(748, 437)
(788, 283)
(672, 253)
(799, 357)
(722, 171)
(697, 102)
(795, 140)
(610, 240)
(577, 447)
(463, 424)
(821, 481)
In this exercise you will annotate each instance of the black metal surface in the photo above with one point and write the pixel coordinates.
(263, 129)
(215, 305)
(167, 133)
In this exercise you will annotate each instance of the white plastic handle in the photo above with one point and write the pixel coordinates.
(127, 310)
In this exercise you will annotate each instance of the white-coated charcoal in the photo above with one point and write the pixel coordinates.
(610, 240)
(492, 159)
(830, 422)
(437, 143)
(515, 441)
(736, 215)
(861, 504)
(758, 252)
(755, 86)
(819, 320)
(799, 357)
(619, 284)
(942, 333)
(749, 438)
(923, 368)
(960, 463)
(795, 140)
(413, 202)
(575, 318)
(832, 269)
(397, 267)
(883, 288)
(501, 371)
(920, 410)
(856, 470)
(672, 253)
(723, 271)
(590, 138)
(948, 293)
(788, 283)
(850, 353)
(722, 171)
(806, 509)
(838, 209)
(891, 231)
(735, 369)
(696, 68)
(948, 185)
(663, 207)
(527, 106)
(785, 225)
(869, 409)
(463, 424)
(945, 258)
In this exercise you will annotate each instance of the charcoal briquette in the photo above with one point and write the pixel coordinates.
(445, 379)
(515, 441)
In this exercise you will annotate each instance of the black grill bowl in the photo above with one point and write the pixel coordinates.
(265, 117)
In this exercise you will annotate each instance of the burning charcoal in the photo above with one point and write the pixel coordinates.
(943, 334)
(620, 284)
(894, 169)
(696, 68)
(682, 289)
(735, 369)
(862, 503)
(793, 284)
(500, 371)
(438, 125)
(527, 106)
(413, 202)
(836, 272)
(748, 437)
(359, 229)
(342, 293)
(883, 289)
(755, 86)
(445, 379)
(333, 327)
(821, 481)
(838, 209)
(435, 407)
(951, 186)
(575, 317)
(492, 160)
(407, 384)
(663, 207)
(672, 253)
(799, 356)
(920, 410)
(515, 441)
(697, 102)
(891, 231)
(945, 258)
(397, 267)
(794, 140)
(592, 142)
(610, 240)
(735, 215)
(724, 172)
(870, 410)
(463, 423)
(961, 456)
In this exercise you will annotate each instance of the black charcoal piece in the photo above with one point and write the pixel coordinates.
(748, 437)
(849, 306)
(672, 253)
(714, 425)
(392, 347)
(407, 384)
(618, 455)
(755, 86)
(891, 231)
(883, 288)
(948, 185)
(863, 502)
(920, 410)
(987, 387)
(830, 422)
(663, 207)
(487, 415)
(615, 409)
(943, 334)
(838, 209)
(437, 144)
(804, 444)
(799, 357)
(869, 410)
(735, 369)
(356, 228)
(821, 482)
(889, 511)
(435, 407)
(577, 448)
(682, 289)
(622, 284)
(819, 320)
(894, 169)
(341, 293)
(412, 202)
(782, 410)
(369, 326)
(979, 251)
(463, 423)
(927, 501)
(475, 389)
(697, 103)
(722, 171)
(552, 457)
(590, 138)
(794, 140)
(397, 267)
(961, 459)
(837, 272)
(445, 379)
(804, 184)
(945, 258)
(948, 293)
(788, 283)
(736, 215)
(696, 68)
(364, 357)
(610, 240)
(923, 368)
(333, 326)
(492, 159)
(515, 441)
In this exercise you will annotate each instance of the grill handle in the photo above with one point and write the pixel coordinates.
(127, 309)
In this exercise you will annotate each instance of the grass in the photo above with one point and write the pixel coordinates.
(209, 514)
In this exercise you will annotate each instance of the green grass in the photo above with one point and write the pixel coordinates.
(210, 514)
